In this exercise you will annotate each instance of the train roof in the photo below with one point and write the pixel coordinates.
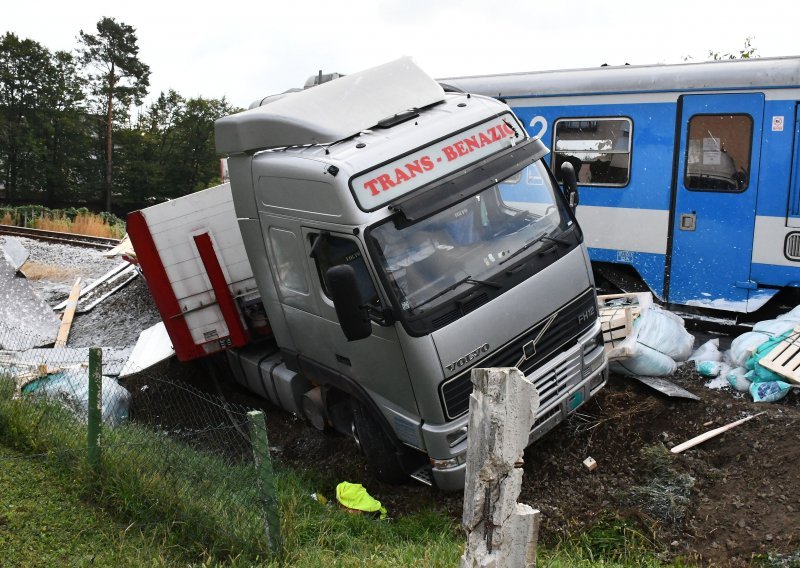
(767, 72)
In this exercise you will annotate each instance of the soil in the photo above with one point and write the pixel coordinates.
(717, 504)
(721, 503)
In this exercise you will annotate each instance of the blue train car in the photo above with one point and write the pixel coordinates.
(689, 174)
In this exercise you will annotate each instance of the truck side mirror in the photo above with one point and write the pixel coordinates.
(350, 309)
(570, 184)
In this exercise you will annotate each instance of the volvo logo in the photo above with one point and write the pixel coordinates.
(529, 349)
(468, 357)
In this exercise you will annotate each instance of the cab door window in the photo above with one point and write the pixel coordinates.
(329, 251)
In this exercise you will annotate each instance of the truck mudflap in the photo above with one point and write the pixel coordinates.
(193, 259)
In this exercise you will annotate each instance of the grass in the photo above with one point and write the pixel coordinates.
(46, 521)
(667, 494)
(155, 502)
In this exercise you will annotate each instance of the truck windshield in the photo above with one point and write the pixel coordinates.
(463, 246)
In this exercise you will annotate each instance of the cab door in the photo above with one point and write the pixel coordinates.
(715, 200)
(376, 362)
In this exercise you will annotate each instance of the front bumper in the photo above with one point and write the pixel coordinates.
(564, 384)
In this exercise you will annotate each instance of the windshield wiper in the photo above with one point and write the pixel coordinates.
(453, 286)
(529, 244)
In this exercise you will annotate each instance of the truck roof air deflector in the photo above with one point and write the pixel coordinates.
(331, 111)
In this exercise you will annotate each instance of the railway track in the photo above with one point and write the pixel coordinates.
(61, 238)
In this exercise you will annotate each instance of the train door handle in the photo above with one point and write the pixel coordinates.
(688, 221)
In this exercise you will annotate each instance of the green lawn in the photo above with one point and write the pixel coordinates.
(45, 521)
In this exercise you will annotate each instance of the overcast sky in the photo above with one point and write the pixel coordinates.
(247, 50)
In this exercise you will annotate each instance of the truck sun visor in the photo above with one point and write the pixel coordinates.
(461, 185)
(331, 111)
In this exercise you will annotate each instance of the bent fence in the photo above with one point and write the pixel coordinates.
(148, 445)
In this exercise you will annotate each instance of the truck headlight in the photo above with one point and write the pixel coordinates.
(448, 463)
(592, 344)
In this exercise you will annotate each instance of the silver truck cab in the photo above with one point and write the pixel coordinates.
(401, 236)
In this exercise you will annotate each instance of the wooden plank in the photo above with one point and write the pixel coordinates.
(710, 434)
(69, 313)
(784, 359)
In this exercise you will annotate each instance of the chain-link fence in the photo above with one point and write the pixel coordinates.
(148, 445)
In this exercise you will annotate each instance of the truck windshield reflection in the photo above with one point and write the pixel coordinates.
(467, 243)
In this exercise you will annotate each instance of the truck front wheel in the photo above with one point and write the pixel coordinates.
(383, 459)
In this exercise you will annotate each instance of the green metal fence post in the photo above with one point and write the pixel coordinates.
(266, 479)
(95, 408)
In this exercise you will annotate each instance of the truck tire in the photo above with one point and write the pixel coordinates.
(383, 459)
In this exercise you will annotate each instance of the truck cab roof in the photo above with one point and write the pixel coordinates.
(329, 112)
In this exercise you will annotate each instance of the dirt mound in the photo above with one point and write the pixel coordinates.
(742, 498)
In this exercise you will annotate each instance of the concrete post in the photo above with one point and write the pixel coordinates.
(501, 533)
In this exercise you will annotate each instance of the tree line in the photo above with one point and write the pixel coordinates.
(67, 136)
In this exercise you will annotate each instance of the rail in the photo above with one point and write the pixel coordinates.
(56, 237)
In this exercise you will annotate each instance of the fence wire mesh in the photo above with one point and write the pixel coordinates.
(170, 453)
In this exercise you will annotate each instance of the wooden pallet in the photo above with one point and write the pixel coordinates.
(784, 359)
(617, 313)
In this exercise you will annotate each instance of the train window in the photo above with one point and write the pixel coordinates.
(598, 148)
(718, 152)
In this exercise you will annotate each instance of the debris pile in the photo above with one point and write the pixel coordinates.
(764, 362)
(108, 306)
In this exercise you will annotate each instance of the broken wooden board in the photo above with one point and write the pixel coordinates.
(784, 358)
(124, 249)
(665, 387)
(69, 314)
(710, 434)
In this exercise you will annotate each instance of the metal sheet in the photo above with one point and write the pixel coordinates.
(25, 319)
(153, 346)
(666, 387)
(15, 253)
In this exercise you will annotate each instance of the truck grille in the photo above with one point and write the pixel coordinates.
(559, 336)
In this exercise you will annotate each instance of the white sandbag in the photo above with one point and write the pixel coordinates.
(737, 379)
(770, 391)
(792, 315)
(645, 361)
(70, 387)
(776, 326)
(708, 351)
(664, 332)
(710, 369)
(742, 347)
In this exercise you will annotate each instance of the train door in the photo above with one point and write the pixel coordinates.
(715, 200)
